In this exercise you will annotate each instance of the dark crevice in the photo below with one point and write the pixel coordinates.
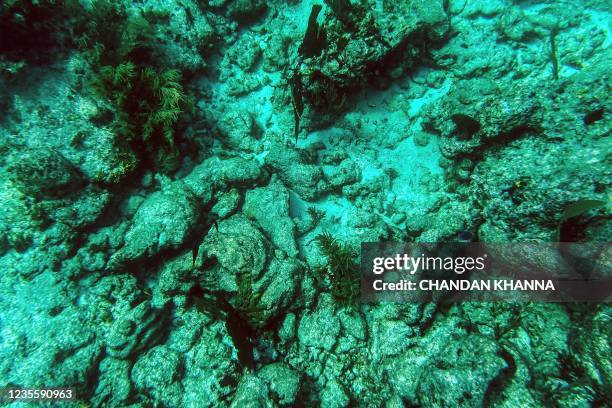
(593, 117)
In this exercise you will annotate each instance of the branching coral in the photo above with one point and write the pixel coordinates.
(341, 269)
(248, 303)
(147, 101)
(315, 214)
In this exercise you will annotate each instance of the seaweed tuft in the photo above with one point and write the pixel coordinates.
(147, 104)
(341, 269)
(248, 303)
(147, 100)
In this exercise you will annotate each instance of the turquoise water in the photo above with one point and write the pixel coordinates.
(186, 184)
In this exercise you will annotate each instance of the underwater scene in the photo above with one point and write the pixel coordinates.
(186, 185)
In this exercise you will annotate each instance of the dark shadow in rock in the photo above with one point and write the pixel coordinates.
(593, 117)
(466, 126)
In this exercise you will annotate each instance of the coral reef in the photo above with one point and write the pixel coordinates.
(341, 268)
(186, 184)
